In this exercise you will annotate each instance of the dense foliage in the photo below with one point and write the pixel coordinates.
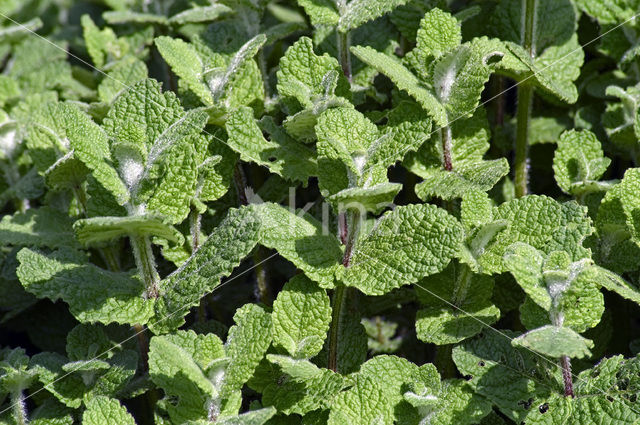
(319, 212)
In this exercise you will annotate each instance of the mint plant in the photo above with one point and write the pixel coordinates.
(319, 212)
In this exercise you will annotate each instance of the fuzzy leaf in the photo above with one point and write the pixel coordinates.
(177, 364)
(282, 155)
(246, 345)
(405, 80)
(301, 240)
(363, 404)
(512, 378)
(554, 341)
(90, 145)
(360, 11)
(103, 411)
(578, 161)
(37, 227)
(299, 386)
(187, 64)
(525, 264)
(93, 294)
(302, 75)
(407, 244)
(373, 199)
(301, 316)
(460, 308)
(226, 246)
(321, 12)
(92, 231)
(439, 33)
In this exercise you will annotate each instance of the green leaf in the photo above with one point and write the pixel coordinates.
(177, 364)
(187, 64)
(38, 227)
(302, 76)
(301, 317)
(302, 240)
(122, 75)
(321, 12)
(365, 403)
(405, 80)
(525, 264)
(92, 231)
(90, 145)
(439, 33)
(578, 160)
(555, 341)
(551, 221)
(200, 14)
(360, 11)
(299, 386)
(373, 199)
(511, 378)
(448, 185)
(93, 294)
(254, 417)
(354, 153)
(104, 410)
(612, 282)
(457, 305)
(407, 244)
(282, 155)
(223, 250)
(246, 345)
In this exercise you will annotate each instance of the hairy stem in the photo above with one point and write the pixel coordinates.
(525, 101)
(195, 223)
(565, 362)
(19, 408)
(350, 227)
(344, 54)
(146, 264)
(445, 136)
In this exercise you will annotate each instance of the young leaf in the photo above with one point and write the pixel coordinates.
(302, 75)
(301, 316)
(321, 12)
(578, 162)
(407, 244)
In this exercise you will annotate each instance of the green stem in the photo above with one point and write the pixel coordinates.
(344, 54)
(340, 296)
(444, 361)
(145, 262)
(19, 408)
(525, 101)
(262, 275)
